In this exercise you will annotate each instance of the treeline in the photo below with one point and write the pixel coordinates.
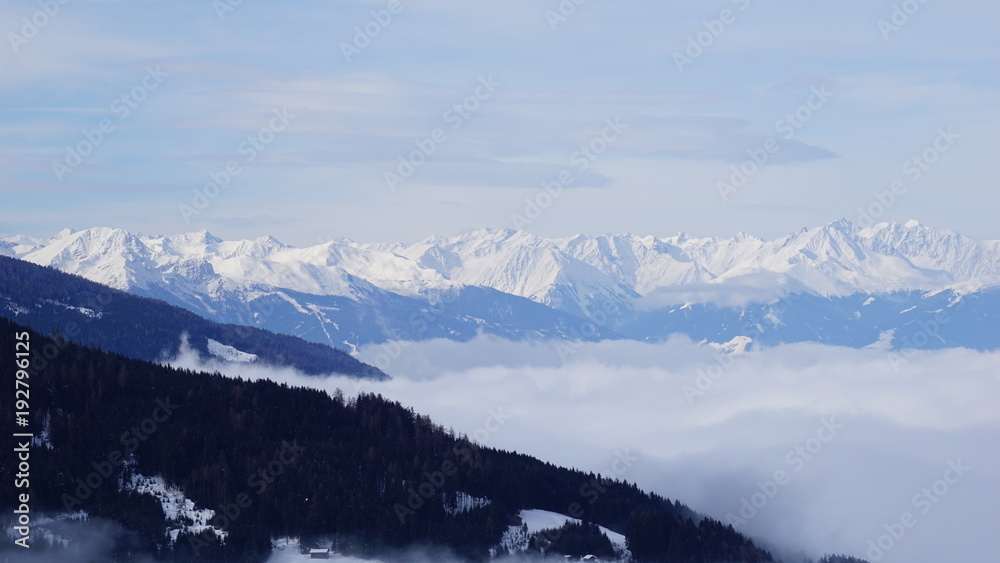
(148, 329)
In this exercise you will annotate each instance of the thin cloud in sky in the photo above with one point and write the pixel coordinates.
(559, 83)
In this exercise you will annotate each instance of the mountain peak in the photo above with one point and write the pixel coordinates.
(269, 241)
(492, 233)
(196, 238)
(843, 225)
(206, 237)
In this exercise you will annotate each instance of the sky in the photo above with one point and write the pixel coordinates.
(857, 442)
(397, 120)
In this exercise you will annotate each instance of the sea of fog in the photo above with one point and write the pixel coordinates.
(888, 456)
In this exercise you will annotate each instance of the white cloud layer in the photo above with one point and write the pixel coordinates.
(894, 433)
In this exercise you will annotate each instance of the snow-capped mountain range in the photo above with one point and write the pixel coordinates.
(861, 282)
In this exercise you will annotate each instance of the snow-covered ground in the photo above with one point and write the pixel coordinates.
(288, 550)
(884, 341)
(515, 539)
(230, 354)
(178, 509)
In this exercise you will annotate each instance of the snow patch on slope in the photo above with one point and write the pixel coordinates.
(289, 550)
(737, 345)
(230, 354)
(515, 539)
(43, 438)
(177, 508)
(884, 341)
(15, 308)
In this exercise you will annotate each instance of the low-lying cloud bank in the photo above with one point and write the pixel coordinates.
(811, 447)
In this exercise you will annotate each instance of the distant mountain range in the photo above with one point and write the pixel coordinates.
(891, 285)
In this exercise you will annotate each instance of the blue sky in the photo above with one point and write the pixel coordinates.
(198, 80)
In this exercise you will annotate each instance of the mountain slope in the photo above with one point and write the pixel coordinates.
(92, 314)
(316, 293)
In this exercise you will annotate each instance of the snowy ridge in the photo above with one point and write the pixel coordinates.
(569, 273)
(517, 285)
